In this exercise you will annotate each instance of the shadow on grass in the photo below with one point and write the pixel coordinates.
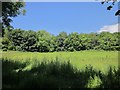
(56, 75)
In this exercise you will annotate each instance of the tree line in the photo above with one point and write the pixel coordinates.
(43, 41)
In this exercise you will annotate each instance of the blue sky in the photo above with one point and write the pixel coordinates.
(81, 17)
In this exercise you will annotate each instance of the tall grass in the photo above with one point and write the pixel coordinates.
(101, 60)
(55, 74)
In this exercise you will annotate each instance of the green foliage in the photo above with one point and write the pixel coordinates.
(11, 9)
(5, 43)
(56, 75)
(29, 41)
(42, 41)
(11, 47)
(4, 49)
(60, 41)
(94, 82)
(112, 79)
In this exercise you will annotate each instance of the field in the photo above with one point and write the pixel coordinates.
(57, 48)
(33, 69)
(100, 60)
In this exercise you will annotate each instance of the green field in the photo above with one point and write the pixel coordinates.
(100, 60)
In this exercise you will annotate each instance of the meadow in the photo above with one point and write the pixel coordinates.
(69, 59)
(100, 60)
(83, 69)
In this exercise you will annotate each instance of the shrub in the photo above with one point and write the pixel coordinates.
(94, 82)
(56, 75)
(11, 47)
(4, 49)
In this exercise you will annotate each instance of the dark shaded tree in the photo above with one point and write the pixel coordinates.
(117, 13)
(9, 10)
(60, 41)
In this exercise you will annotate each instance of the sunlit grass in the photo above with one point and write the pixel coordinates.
(101, 60)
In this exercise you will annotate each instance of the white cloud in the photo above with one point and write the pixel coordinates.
(110, 28)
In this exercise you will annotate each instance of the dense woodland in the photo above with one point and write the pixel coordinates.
(42, 41)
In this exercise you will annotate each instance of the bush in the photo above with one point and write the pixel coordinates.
(11, 47)
(18, 48)
(4, 49)
(94, 82)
